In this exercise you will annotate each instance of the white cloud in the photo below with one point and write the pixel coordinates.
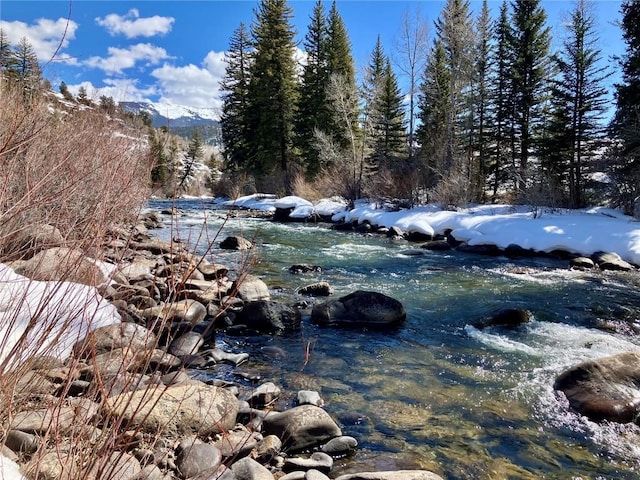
(120, 59)
(120, 89)
(192, 85)
(131, 25)
(45, 36)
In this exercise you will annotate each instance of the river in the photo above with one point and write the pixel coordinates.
(437, 393)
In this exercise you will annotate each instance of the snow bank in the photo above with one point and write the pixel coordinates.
(51, 316)
(257, 201)
(9, 470)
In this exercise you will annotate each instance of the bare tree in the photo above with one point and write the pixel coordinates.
(411, 53)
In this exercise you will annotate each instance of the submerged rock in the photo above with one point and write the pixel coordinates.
(301, 427)
(508, 318)
(604, 389)
(268, 316)
(361, 307)
(236, 243)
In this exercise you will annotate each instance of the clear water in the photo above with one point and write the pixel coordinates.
(438, 393)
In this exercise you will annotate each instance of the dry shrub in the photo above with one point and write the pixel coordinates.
(77, 170)
(308, 190)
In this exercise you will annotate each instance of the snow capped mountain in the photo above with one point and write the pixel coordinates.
(172, 116)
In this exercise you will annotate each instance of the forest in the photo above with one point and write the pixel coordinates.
(490, 113)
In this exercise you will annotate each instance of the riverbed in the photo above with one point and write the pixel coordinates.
(436, 392)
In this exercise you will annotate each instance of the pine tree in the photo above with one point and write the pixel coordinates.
(530, 42)
(159, 171)
(26, 69)
(389, 142)
(192, 156)
(313, 110)
(272, 93)
(626, 122)
(371, 93)
(235, 92)
(83, 98)
(580, 98)
(7, 55)
(64, 90)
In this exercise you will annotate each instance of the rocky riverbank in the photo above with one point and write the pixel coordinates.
(123, 402)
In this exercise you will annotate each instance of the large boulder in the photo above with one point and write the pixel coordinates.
(32, 239)
(189, 311)
(63, 264)
(188, 408)
(111, 337)
(361, 307)
(269, 316)
(604, 389)
(236, 243)
(611, 261)
(250, 289)
(507, 318)
(301, 427)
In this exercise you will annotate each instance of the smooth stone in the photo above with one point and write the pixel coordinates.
(315, 475)
(304, 268)
(318, 461)
(220, 473)
(213, 271)
(236, 243)
(267, 448)
(22, 442)
(269, 316)
(301, 475)
(394, 475)
(248, 469)
(301, 427)
(198, 458)
(319, 289)
(310, 397)
(151, 472)
(191, 407)
(263, 395)
(118, 465)
(111, 337)
(60, 263)
(174, 378)
(437, 245)
(187, 344)
(508, 318)
(237, 443)
(611, 261)
(220, 356)
(362, 308)
(339, 446)
(582, 263)
(190, 311)
(251, 289)
(38, 421)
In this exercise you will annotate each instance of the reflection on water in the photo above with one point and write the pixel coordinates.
(438, 393)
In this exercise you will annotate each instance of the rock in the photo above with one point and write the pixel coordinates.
(267, 448)
(604, 389)
(111, 337)
(611, 261)
(301, 427)
(417, 236)
(508, 318)
(339, 446)
(38, 421)
(191, 407)
(581, 263)
(304, 268)
(22, 442)
(198, 458)
(248, 469)
(319, 289)
(190, 311)
(220, 473)
(31, 239)
(63, 264)
(395, 232)
(395, 475)
(516, 251)
(138, 269)
(268, 316)
(251, 289)
(236, 243)
(220, 356)
(310, 397)
(213, 271)
(237, 443)
(151, 472)
(318, 461)
(117, 466)
(187, 344)
(363, 308)
(263, 395)
(437, 245)
(479, 249)
(315, 475)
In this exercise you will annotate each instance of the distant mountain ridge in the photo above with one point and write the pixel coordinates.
(180, 120)
(171, 115)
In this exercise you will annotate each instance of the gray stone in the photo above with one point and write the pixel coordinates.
(339, 446)
(236, 243)
(437, 245)
(237, 443)
(198, 458)
(220, 473)
(190, 311)
(61, 263)
(301, 427)
(310, 397)
(151, 472)
(191, 407)
(111, 337)
(117, 466)
(315, 475)
(581, 263)
(361, 308)
(318, 461)
(220, 356)
(213, 271)
(251, 289)
(248, 469)
(22, 442)
(267, 448)
(395, 475)
(263, 395)
(319, 289)
(38, 421)
(31, 239)
(187, 344)
(268, 316)
(611, 261)
(508, 318)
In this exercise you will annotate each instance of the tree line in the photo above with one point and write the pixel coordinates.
(490, 113)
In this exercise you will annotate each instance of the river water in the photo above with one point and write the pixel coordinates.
(437, 393)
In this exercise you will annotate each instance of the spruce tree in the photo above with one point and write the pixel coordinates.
(580, 97)
(26, 69)
(371, 94)
(530, 69)
(7, 55)
(192, 156)
(313, 110)
(272, 94)
(235, 91)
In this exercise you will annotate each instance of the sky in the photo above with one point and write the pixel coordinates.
(173, 51)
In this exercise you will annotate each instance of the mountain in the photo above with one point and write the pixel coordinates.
(179, 119)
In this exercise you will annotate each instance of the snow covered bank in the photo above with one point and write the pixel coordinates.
(582, 232)
(46, 318)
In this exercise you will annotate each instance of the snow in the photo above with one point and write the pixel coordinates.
(60, 314)
(9, 470)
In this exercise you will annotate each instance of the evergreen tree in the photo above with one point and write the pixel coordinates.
(626, 122)
(389, 142)
(272, 93)
(579, 98)
(7, 55)
(530, 43)
(235, 92)
(83, 98)
(64, 90)
(433, 107)
(159, 171)
(371, 94)
(26, 69)
(313, 110)
(192, 156)
(107, 104)
(502, 134)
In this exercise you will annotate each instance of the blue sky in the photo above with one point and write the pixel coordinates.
(173, 51)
